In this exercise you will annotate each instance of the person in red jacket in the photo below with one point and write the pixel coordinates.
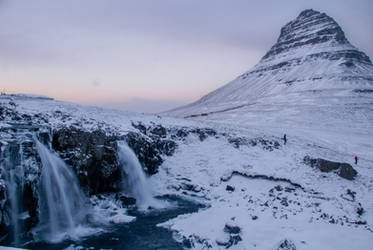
(355, 159)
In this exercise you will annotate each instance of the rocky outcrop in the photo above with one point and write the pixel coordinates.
(93, 155)
(233, 235)
(286, 245)
(149, 151)
(266, 144)
(344, 170)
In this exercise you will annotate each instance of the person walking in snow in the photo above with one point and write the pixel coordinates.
(355, 159)
(285, 140)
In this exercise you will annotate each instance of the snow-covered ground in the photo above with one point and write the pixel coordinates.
(276, 196)
(267, 211)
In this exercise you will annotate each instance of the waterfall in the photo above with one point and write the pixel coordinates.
(61, 200)
(137, 182)
(14, 181)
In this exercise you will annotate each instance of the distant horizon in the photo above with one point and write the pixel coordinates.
(148, 57)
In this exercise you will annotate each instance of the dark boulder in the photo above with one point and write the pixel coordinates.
(230, 188)
(233, 238)
(232, 229)
(344, 170)
(347, 171)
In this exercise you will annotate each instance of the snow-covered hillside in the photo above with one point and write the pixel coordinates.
(312, 83)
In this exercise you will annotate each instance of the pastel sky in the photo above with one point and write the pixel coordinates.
(148, 55)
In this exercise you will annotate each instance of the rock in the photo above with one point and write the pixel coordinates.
(360, 210)
(159, 131)
(347, 171)
(187, 186)
(286, 245)
(182, 133)
(223, 242)
(229, 241)
(326, 166)
(232, 228)
(269, 145)
(166, 147)
(127, 201)
(187, 243)
(146, 151)
(344, 170)
(234, 239)
(230, 188)
(140, 127)
(284, 202)
(203, 133)
(93, 155)
(361, 222)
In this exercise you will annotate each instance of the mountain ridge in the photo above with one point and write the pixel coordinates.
(312, 53)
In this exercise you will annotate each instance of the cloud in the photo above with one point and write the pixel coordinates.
(96, 83)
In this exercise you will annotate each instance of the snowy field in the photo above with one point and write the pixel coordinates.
(259, 193)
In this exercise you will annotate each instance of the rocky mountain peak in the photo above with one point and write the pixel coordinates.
(310, 29)
(311, 55)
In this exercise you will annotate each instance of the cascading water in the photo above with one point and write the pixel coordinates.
(135, 177)
(62, 204)
(14, 177)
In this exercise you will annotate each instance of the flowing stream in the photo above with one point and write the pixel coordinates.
(143, 233)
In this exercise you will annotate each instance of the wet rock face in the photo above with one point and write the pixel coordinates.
(93, 155)
(146, 151)
(344, 170)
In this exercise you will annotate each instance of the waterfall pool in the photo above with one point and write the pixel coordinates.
(142, 233)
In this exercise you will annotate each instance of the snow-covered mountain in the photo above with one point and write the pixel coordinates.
(312, 83)
(312, 62)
